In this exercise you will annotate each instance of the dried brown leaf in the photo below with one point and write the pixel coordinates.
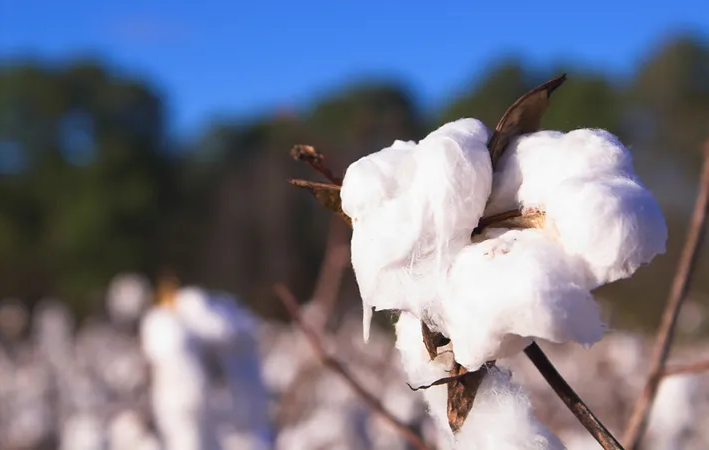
(462, 389)
(327, 195)
(524, 116)
(432, 340)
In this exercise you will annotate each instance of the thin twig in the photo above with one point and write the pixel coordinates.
(638, 419)
(697, 367)
(289, 301)
(316, 160)
(335, 261)
(570, 398)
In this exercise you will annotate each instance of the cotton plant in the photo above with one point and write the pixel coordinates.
(485, 242)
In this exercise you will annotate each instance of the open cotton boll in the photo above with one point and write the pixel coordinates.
(612, 222)
(451, 186)
(213, 317)
(513, 287)
(502, 419)
(178, 383)
(674, 412)
(534, 165)
(417, 211)
(421, 370)
(377, 177)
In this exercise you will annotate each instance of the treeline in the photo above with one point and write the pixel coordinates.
(91, 183)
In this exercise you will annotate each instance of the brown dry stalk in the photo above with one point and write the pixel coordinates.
(663, 341)
(570, 398)
(316, 160)
(697, 367)
(291, 304)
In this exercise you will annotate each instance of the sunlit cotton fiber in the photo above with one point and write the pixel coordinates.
(413, 208)
(421, 370)
(501, 417)
(594, 202)
(515, 285)
(179, 383)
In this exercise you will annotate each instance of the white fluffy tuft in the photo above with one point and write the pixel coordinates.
(511, 287)
(585, 182)
(501, 417)
(413, 208)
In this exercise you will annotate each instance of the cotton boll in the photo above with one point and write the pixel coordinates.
(420, 370)
(516, 286)
(613, 223)
(127, 297)
(377, 177)
(534, 164)
(452, 183)
(213, 318)
(178, 382)
(502, 419)
(82, 431)
(673, 412)
(425, 201)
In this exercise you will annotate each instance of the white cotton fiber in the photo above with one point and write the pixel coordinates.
(534, 164)
(502, 419)
(421, 370)
(413, 208)
(613, 223)
(377, 177)
(513, 287)
(584, 181)
(673, 413)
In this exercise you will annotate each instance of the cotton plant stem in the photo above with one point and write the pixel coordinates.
(289, 301)
(698, 367)
(570, 398)
(663, 341)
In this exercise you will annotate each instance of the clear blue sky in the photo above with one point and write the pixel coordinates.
(236, 57)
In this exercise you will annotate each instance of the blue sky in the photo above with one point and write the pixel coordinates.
(238, 57)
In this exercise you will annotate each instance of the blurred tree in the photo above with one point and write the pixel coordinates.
(587, 100)
(489, 98)
(667, 120)
(88, 198)
(88, 188)
(364, 118)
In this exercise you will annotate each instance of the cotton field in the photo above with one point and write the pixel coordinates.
(181, 368)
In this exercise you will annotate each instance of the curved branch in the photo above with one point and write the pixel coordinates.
(571, 399)
(638, 419)
(289, 301)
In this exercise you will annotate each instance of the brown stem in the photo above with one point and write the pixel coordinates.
(289, 301)
(570, 398)
(334, 263)
(638, 419)
(697, 367)
(491, 220)
(316, 160)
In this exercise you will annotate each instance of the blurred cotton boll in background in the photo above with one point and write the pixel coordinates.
(127, 297)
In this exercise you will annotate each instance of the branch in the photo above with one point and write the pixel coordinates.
(316, 160)
(697, 367)
(570, 398)
(638, 419)
(289, 301)
(332, 269)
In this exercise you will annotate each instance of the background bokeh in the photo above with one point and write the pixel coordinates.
(142, 137)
